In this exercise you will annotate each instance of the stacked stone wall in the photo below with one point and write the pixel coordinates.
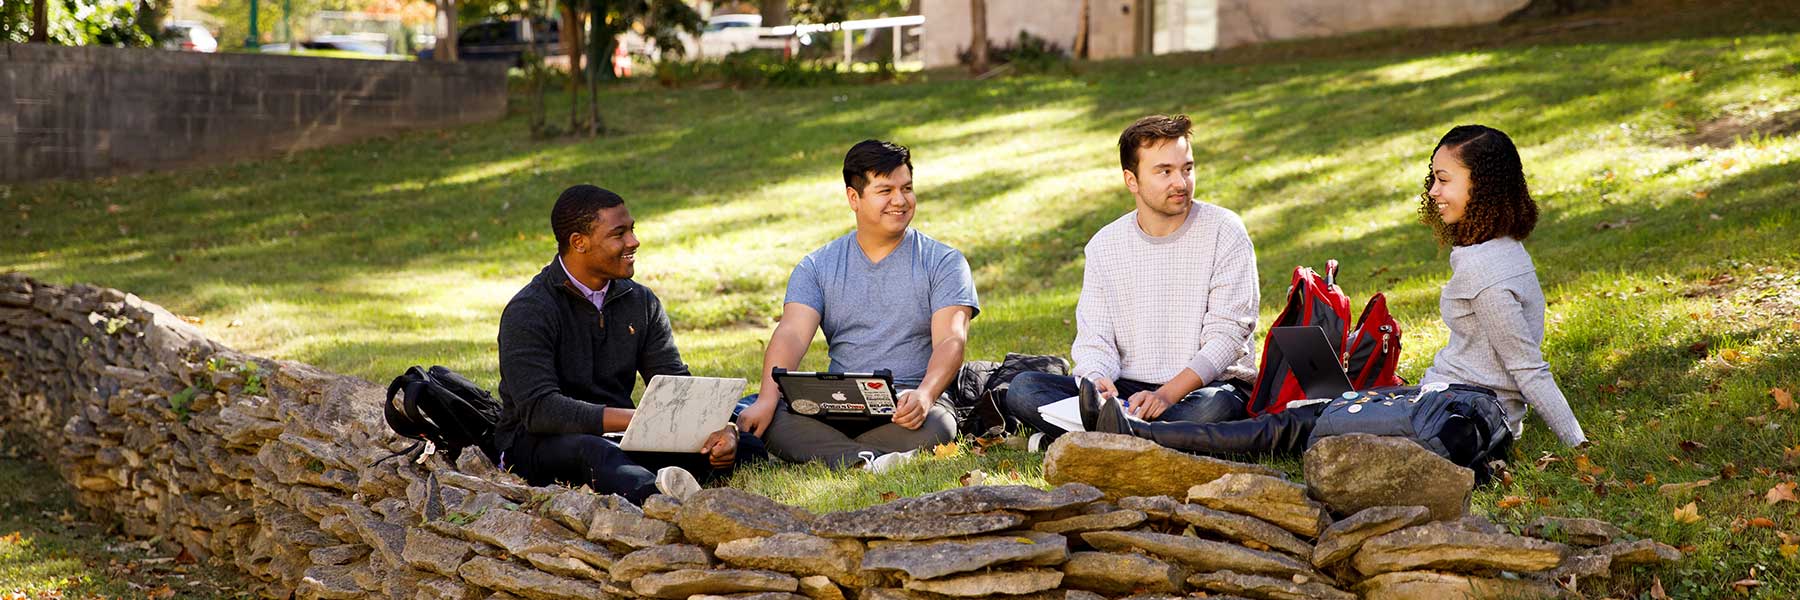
(274, 468)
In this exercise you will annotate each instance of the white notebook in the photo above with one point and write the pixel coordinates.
(1064, 413)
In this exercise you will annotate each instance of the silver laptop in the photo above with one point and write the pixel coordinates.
(677, 413)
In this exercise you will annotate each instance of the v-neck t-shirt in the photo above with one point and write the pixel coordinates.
(877, 315)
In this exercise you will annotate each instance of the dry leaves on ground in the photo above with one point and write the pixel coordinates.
(1688, 514)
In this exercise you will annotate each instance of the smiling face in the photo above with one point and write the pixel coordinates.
(609, 249)
(1450, 184)
(886, 204)
(1164, 181)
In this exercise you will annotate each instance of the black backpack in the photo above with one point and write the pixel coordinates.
(1462, 423)
(980, 391)
(444, 408)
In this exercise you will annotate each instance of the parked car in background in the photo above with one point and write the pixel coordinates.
(188, 36)
(723, 35)
(373, 44)
(506, 40)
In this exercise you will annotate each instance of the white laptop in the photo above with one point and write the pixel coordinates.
(677, 413)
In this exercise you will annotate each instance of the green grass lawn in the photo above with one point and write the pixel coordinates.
(1662, 150)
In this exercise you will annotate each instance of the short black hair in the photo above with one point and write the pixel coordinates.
(576, 210)
(1149, 131)
(873, 156)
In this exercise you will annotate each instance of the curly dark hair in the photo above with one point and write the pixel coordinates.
(575, 212)
(1500, 204)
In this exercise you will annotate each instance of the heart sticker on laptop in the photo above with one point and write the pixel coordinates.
(874, 385)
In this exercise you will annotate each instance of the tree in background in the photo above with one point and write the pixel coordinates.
(79, 22)
(978, 39)
(607, 19)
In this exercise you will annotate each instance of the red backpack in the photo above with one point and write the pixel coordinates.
(1311, 300)
(1372, 351)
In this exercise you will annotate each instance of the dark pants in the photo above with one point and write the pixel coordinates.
(1221, 401)
(1284, 434)
(799, 439)
(599, 463)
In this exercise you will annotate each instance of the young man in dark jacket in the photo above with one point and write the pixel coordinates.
(571, 344)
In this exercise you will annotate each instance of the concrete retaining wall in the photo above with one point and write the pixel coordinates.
(87, 111)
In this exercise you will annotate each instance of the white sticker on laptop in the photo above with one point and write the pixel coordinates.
(877, 395)
(1433, 387)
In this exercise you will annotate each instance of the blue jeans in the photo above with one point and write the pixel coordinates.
(1219, 401)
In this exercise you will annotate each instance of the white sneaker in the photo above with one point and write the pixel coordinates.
(881, 464)
(676, 482)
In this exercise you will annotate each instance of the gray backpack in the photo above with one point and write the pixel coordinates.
(1462, 423)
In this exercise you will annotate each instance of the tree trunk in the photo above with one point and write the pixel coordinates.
(774, 12)
(571, 42)
(978, 38)
(445, 51)
(40, 21)
(1081, 30)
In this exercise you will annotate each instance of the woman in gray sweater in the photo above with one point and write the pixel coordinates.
(1476, 201)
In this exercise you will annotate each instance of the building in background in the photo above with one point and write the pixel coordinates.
(1121, 28)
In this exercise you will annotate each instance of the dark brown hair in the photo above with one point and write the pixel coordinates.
(1500, 204)
(1149, 131)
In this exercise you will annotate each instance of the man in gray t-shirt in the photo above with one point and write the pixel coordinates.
(887, 297)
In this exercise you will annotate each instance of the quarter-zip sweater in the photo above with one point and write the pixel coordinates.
(563, 361)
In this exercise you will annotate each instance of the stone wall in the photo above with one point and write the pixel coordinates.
(269, 466)
(87, 111)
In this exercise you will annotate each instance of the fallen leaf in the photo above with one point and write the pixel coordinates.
(1656, 588)
(1783, 400)
(1790, 456)
(1511, 502)
(947, 450)
(1688, 514)
(1762, 522)
(1544, 501)
(1787, 538)
(1782, 492)
(975, 477)
(1789, 551)
(1676, 489)
(1731, 355)
(1649, 479)
(888, 496)
(1742, 586)
(11, 538)
(161, 592)
(185, 558)
(1583, 465)
(1729, 471)
(1691, 446)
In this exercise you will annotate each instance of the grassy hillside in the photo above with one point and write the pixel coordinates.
(1661, 148)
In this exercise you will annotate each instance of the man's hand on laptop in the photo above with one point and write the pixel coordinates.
(721, 447)
(910, 409)
(756, 417)
(1148, 405)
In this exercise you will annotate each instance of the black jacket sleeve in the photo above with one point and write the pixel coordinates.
(657, 354)
(528, 375)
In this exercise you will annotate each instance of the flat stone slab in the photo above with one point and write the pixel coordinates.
(1122, 465)
(1573, 531)
(714, 516)
(690, 582)
(1106, 521)
(1430, 585)
(894, 525)
(1342, 539)
(1201, 555)
(930, 560)
(1268, 588)
(797, 553)
(1638, 552)
(985, 584)
(1439, 546)
(1119, 573)
(1242, 529)
(989, 498)
(526, 582)
(656, 559)
(1271, 499)
(1357, 471)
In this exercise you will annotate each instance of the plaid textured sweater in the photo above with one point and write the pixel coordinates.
(1152, 306)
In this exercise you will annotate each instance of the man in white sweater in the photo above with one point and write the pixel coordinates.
(1168, 297)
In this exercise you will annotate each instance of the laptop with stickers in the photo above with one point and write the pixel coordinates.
(838, 396)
